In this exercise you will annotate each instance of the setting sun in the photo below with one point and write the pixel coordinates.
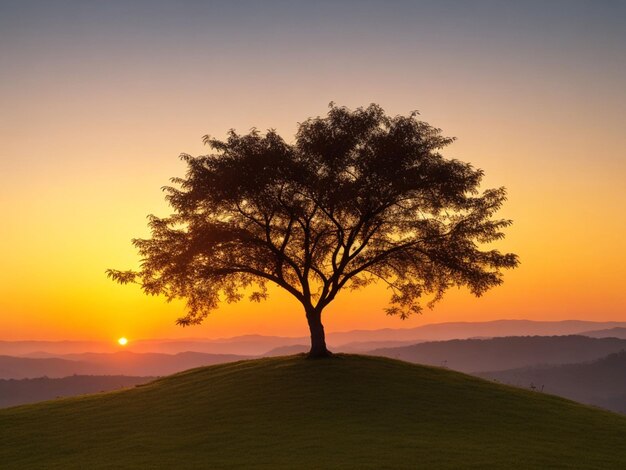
(122, 341)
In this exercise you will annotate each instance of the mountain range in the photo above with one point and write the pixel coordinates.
(19, 392)
(601, 382)
(494, 354)
(254, 345)
(119, 363)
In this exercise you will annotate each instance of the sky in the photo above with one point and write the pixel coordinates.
(98, 100)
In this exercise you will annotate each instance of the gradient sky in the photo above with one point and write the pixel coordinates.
(99, 98)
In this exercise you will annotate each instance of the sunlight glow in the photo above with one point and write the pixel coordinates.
(79, 73)
(122, 341)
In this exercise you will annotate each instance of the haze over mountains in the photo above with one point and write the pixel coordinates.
(19, 392)
(119, 363)
(617, 332)
(250, 345)
(601, 382)
(493, 354)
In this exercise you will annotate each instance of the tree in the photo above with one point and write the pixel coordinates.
(360, 197)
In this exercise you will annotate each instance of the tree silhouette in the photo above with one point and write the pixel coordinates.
(359, 197)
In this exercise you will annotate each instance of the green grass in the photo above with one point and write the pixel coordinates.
(288, 412)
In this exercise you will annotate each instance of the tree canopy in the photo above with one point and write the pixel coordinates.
(359, 197)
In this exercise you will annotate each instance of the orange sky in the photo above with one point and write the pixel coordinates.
(97, 105)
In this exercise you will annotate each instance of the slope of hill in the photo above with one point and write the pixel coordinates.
(347, 412)
(19, 392)
(601, 382)
(471, 355)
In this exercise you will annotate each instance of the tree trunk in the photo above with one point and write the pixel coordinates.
(318, 339)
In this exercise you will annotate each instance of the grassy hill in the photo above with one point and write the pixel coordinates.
(288, 412)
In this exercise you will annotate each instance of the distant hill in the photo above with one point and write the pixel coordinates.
(601, 382)
(505, 353)
(23, 367)
(120, 363)
(359, 347)
(247, 345)
(255, 345)
(47, 348)
(19, 392)
(130, 363)
(618, 332)
(464, 330)
(285, 413)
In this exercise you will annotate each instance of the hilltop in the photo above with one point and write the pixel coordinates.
(288, 412)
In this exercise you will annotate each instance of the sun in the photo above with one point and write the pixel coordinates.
(122, 341)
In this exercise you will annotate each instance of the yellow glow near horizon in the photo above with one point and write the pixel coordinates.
(122, 341)
(538, 105)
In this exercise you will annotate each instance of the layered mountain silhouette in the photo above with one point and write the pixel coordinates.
(601, 382)
(617, 332)
(349, 341)
(120, 363)
(19, 392)
(467, 355)
(472, 355)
